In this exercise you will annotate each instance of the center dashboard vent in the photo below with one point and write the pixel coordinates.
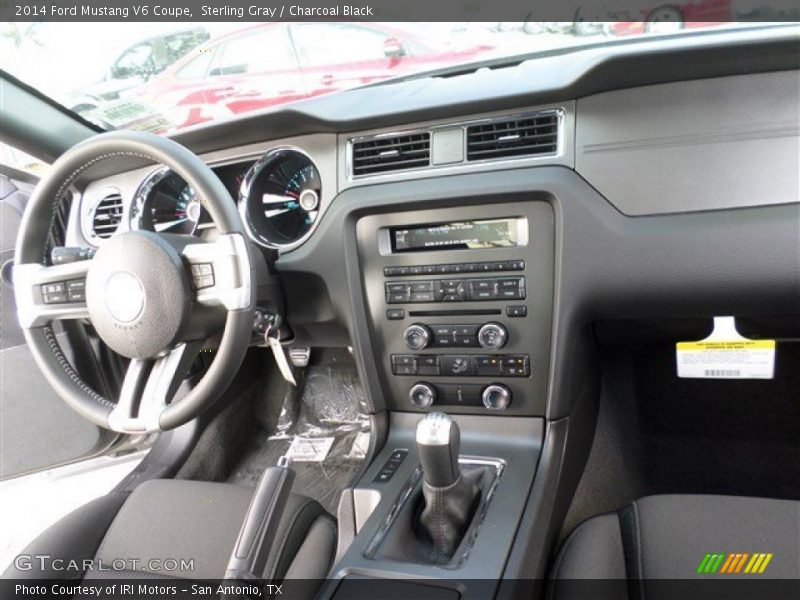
(107, 215)
(391, 153)
(525, 135)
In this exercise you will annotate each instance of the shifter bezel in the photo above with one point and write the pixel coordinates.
(495, 468)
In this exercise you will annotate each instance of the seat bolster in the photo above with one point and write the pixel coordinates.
(593, 551)
(676, 532)
(76, 537)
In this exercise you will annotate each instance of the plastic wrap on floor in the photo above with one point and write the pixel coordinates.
(325, 431)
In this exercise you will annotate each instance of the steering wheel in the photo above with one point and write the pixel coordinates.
(153, 298)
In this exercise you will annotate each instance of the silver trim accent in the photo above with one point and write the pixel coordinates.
(155, 384)
(497, 464)
(434, 429)
(431, 394)
(464, 164)
(243, 199)
(88, 209)
(232, 282)
(501, 389)
(31, 309)
(502, 335)
(143, 192)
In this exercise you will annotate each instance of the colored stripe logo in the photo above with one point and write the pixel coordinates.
(734, 563)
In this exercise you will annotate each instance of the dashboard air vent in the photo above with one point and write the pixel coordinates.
(386, 154)
(107, 216)
(524, 135)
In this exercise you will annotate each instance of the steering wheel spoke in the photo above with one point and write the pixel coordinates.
(219, 276)
(148, 387)
(54, 293)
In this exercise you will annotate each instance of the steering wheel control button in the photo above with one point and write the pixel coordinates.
(422, 395)
(417, 336)
(391, 465)
(496, 397)
(202, 275)
(124, 297)
(492, 336)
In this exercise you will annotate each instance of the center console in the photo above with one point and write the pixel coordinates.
(460, 312)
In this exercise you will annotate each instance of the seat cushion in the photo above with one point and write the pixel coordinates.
(668, 537)
(195, 524)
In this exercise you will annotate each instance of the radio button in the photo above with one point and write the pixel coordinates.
(422, 297)
(395, 314)
(517, 311)
(396, 298)
(492, 336)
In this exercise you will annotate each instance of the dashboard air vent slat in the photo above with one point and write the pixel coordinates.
(391, 153)
(107, 216)
(518, 136)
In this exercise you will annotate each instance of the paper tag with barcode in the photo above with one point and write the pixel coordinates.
(304, 449)
(725, 354)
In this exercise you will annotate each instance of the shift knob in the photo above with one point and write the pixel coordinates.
(438, 442)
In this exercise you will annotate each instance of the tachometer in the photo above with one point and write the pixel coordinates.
(280, 197)
(165, 203)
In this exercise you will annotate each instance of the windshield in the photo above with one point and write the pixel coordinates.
(178, 75)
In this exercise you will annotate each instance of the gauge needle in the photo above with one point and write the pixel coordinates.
(169, 224)
(276, 199)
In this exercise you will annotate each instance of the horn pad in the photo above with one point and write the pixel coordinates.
(138, 294)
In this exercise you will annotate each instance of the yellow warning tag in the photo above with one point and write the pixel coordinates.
(725, 354)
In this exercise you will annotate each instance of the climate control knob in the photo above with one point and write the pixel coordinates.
(417, 336)
(496, 396)
(422, 395)
(492, 336)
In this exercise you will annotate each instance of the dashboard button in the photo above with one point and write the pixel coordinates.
(456, 365)
(487, 365)
(517, 311)
(395, 314)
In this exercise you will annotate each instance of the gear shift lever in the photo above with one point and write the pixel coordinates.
(450, 498)
(438, 443)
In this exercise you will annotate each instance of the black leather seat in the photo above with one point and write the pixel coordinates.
(172, 520)
(668, 537)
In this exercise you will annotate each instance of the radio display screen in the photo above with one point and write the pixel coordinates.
(462, 235)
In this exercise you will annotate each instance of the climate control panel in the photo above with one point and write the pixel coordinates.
(489, 336)
(494, 396)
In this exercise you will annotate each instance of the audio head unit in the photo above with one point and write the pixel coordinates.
(461, 311)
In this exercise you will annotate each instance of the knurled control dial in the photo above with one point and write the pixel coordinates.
(422, 395)
(492, 336)
(496, 396)
(417, 336)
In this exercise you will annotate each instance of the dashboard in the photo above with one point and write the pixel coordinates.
(460, 233)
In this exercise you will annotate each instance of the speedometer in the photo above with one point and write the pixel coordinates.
(280, 198)
(165, 203)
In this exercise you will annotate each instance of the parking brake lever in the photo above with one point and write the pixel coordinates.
(249, 556)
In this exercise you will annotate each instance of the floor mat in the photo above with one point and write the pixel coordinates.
(327, 429)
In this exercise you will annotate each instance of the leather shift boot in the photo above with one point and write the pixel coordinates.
(448, 512)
